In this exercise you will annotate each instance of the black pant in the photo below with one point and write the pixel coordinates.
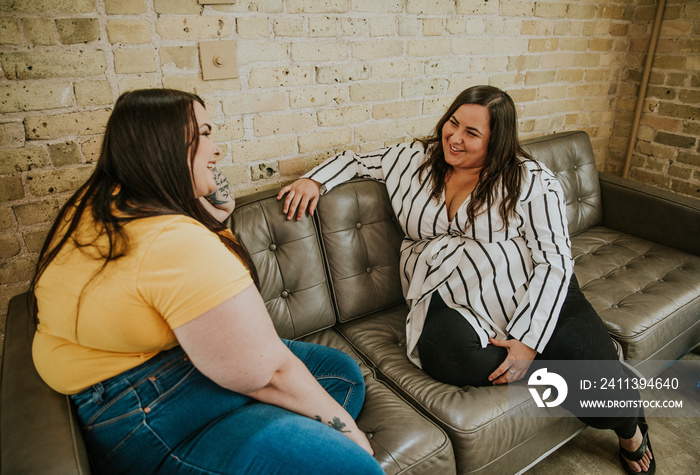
(451, 352)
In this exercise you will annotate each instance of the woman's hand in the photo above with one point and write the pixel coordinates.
(516, 364)
(301, 194)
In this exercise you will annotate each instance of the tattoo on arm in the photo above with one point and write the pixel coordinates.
(336, 423)
(222, 194)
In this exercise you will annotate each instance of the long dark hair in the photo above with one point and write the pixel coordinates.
(144, 170)
(504, 152)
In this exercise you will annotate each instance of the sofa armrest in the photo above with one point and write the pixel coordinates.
(38, 430)
(650, 213)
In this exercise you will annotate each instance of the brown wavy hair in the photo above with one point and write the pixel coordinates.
(503, 155)
(144, 170)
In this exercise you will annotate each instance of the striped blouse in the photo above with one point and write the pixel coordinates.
(507, 281)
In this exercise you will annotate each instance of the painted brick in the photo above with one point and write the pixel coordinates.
(254, 103)
(429, 7)
(132, 61)
(129, 32)
(34, 240)
(323, 26)
(7, 218)
(379, 48)
(410, 26)
(263, 171)
(557, 61)
(78, 30)
(11, 188)
(317, 6)
(9, 32)
(247, 6)
(541, 45)
(470, 46)
(375, 92)
(194, 28)
(91, 149)
(281, 77)
(356, 27)
(380, 130)
(45, 182)
(421, 87)
(37, 212)
(12, 134)
(324, 51)
(125, 7)
(18, 97)
(44, 6)
(456, 26)
(476, 7)
(9, 246)
(516, 8)
(378, 6)
(289, 27)
(181, 7)
(14, 271)
(675, 140)
(264, 125)
(62, 125)
(325, 140)
(65, 153)
(53, 64)
(447, 66)
(22, 159)
(428, 47)
(395, 110)
(339, 116)
(494, 26)
(318, 96)
(433, 26)
(491, 64)
(182, 57)
(293, 167)
(256, 27)
(342, 73)
(195, 84)
(230, 130)
(39, 31)
(131, 83)
(382, 26)
(263, 149)
(397, 69)
(248, 52)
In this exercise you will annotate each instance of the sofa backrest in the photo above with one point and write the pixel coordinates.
(570, 156)
(289, 261)
(361, 240)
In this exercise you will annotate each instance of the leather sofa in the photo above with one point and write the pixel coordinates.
(334, 280)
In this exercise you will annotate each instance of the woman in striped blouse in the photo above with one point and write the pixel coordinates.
(486, 264)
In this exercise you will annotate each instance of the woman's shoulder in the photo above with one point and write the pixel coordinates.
(537, 179)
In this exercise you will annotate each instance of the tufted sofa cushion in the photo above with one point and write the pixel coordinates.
(571, 159)
(362, 240)
(289, 260)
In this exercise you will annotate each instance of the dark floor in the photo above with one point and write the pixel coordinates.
(675, 440)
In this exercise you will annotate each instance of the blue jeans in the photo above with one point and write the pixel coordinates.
(164, 416)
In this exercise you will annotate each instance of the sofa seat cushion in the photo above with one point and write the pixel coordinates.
(404, 441)
(647, 294)
(491, 428)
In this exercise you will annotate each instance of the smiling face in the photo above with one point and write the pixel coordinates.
(205, 156)
(465, 137)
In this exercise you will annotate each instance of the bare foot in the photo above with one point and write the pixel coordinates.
(633, 444)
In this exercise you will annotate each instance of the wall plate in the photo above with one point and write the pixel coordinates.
(218, 59)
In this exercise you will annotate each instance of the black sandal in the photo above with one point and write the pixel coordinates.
(637, 455)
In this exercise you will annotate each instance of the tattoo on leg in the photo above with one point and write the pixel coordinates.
(336, 423)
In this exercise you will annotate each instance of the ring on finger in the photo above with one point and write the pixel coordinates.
(511, 372)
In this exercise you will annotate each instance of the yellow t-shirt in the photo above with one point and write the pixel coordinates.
(91, 329)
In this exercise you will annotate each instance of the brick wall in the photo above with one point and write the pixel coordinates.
(667, 150)
(315, 77)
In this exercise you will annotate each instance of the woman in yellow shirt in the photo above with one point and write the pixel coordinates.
(148, 316)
